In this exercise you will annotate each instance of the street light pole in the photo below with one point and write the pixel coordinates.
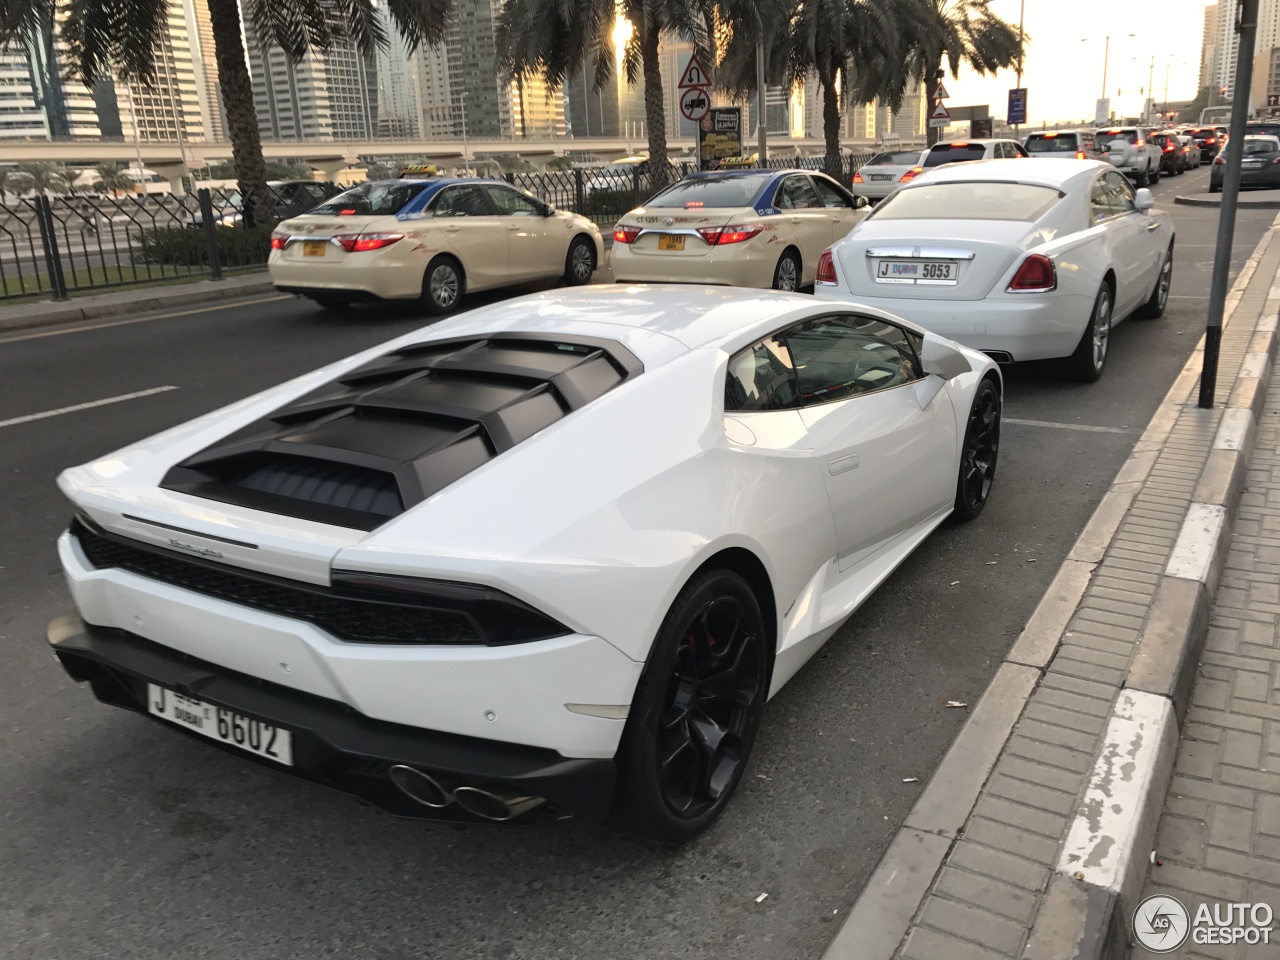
(762, 147)
(1106, 58)
(1247, 28)
(1022, 10)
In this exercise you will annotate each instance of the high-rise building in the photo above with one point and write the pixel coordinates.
(480, 96)
(537, 112)
(208, 86)
(67, 108)
(169, 108)
(1208, 47)
(1226, 47)
(330, 94)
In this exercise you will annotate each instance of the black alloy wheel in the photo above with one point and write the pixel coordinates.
(979, 454)
(696, 710)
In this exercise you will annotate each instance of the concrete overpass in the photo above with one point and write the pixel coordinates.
(330, 156)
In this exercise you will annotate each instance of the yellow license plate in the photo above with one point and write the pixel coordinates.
(314, 248)
(671, 241)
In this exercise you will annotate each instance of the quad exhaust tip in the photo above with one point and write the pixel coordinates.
(424, 789)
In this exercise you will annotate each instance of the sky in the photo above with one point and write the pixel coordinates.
(1063, 75)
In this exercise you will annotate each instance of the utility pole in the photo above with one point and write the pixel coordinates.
(1106, 58)
(1022, 10)
(1247, 28)
(1151, 90)
(762, 147)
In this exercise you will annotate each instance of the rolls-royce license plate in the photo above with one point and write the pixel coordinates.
(916, 271)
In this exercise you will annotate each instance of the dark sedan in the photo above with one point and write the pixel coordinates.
(1259, 165)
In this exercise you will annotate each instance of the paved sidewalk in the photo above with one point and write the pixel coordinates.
(1219, 834)
(1032, 839)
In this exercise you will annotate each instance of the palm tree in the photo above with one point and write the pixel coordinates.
(122, 36)
(111, 178)
(556, 39)
(41, 177)
(851, 46)
(961, 32)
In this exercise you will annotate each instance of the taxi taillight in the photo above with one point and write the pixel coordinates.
(719, 236)
(623, 234)
(857, 177)
(278, 241)
(911, 174)
(363, 242)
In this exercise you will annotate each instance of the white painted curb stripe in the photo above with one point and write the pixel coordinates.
(1254, 365)
(1234, 428)
(1197, 542)
(1137, 746)
(74, 408)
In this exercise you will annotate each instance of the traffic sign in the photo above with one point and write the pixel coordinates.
(694, 75)
(1273, 100)
(941, 92)
(940, 117)
(695, 103)
(1017, 105)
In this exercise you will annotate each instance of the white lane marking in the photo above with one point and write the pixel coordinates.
(74, 408)
(87, 325)
(1066, 426)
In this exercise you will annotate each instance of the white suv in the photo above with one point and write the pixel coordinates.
(1131, 151)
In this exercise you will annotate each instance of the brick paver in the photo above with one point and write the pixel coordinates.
(983, 902)
(1219, 835)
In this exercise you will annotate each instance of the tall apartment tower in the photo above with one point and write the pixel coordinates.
(208, 86)
(169, 109)
(326, 95)
(1208, 47)
(477, 91)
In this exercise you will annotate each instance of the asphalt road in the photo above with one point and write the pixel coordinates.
(119, 838)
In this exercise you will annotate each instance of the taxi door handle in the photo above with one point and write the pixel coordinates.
(797, 219)
(1152, 226)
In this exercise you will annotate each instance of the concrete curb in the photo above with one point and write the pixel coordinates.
(1215, 200)
(1102, 866)
(1105, 854)
(132, 302)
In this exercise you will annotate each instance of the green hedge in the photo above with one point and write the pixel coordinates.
(238, 246)
(609, 205)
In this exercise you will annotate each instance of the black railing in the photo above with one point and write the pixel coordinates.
(56, 246)
(51, 247)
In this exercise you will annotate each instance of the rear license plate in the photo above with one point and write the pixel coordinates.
(881, 176)
(916, 271)
(670, 241)
(217, 723)
(313, 248)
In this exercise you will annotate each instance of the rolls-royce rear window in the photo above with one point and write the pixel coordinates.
(971, 200)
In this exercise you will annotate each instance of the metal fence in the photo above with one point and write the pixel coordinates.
(51, 247)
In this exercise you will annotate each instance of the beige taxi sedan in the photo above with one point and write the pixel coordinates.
(431, 240)
(745, 228)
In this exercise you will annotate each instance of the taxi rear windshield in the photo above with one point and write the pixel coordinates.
(972, 200)
(1058, 143)
(953, 152)
(735, 191)
(372, 199)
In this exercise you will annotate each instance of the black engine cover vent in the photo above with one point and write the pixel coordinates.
(383, 437)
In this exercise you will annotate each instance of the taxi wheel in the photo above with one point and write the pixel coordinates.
(442, 285)
(786, 275)
(580, 262)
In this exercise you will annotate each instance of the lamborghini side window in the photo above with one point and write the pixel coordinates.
(761, 377)
(847, 355)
